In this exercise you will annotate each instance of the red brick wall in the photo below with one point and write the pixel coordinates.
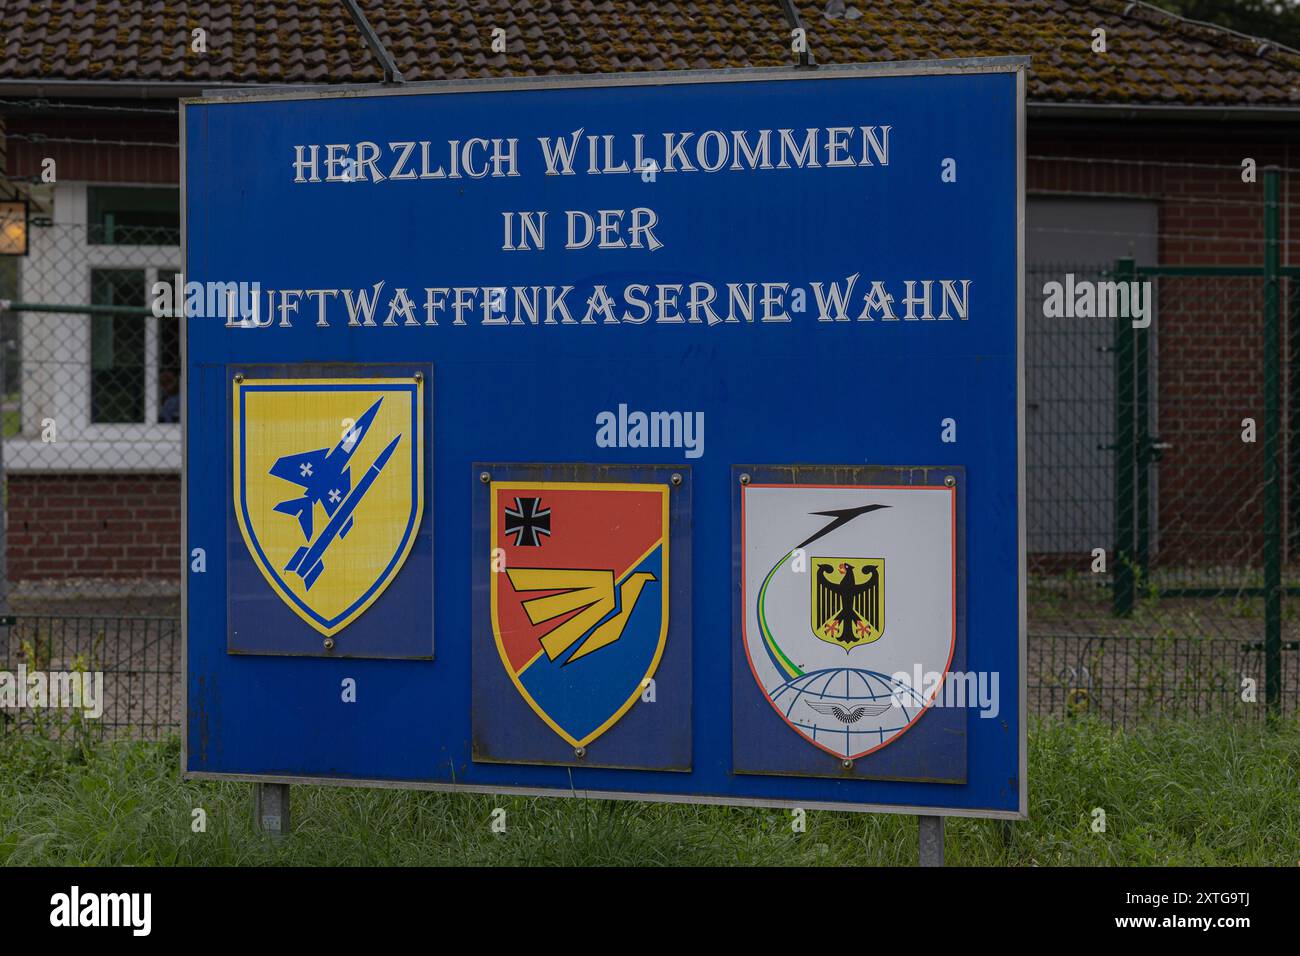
(106, 526)
(1209, 346)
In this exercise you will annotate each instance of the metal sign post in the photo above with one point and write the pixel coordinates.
(931, 834)
(271, 808)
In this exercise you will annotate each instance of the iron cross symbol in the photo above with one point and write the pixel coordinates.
(526, 520)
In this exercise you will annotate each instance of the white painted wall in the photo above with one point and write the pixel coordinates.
(56, 353)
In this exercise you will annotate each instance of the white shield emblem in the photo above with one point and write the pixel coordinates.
(838, 683)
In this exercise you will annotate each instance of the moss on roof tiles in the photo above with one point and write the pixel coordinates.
(1150, 58)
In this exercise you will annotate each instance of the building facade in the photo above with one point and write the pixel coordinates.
(1136, 150)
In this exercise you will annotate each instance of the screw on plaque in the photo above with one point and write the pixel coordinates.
(484, 477)
(419, 377)
(676, 479)
(329, 643)
(239, 377)
(950, 481)
(580, 752)
(847, 764)
(744, 479)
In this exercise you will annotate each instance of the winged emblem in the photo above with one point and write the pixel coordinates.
(848, 715)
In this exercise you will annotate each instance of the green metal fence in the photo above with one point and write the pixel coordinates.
(1186, 610)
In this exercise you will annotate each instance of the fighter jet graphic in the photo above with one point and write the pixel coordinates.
(326, 478)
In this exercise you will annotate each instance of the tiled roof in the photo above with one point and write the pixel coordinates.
(1152, 58)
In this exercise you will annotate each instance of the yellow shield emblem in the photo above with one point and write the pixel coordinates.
(329, 488)
(848, 600)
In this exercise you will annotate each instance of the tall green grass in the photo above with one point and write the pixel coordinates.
(1187, 792)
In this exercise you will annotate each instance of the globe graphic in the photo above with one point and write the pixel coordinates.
(846, 709)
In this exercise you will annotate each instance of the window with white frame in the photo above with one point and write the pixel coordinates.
(109, 379)
(134, 359)
(133, 215)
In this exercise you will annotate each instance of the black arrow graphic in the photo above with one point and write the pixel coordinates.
(842, 517)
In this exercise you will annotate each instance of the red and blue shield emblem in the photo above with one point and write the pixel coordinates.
(579, 597)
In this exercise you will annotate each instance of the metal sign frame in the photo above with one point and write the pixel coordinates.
(944, 728)
(1012, 65)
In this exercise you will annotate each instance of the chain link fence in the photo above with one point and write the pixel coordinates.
(132, 663)
(1163, 522)
(92, 420)
(1146, 588)
(1162, 529)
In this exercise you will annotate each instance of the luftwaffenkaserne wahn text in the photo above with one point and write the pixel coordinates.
(749, 299)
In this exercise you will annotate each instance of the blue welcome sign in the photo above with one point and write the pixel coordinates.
(650, 436)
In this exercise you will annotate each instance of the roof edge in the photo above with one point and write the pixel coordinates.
(980, 64)
(187, 89)
(1047, 109)
(181, 89)
(121, 89)
(1263, 46)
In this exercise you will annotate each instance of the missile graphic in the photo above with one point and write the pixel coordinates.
(306, 561)
(322, 474)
